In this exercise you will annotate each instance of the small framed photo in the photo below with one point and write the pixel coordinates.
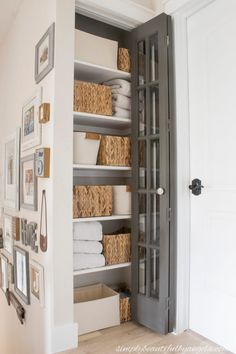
(28, 196)
(44, 54)
(7, 233)
(21, 274)
(4, 273)
(11, 158)
(30, 126)
(37, 281)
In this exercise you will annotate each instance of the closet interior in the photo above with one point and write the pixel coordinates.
(102, 172)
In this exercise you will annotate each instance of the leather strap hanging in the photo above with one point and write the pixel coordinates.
(43, 219)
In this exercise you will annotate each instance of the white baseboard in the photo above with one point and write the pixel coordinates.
(65, 338)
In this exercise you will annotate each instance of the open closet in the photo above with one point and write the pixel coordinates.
(122, 195)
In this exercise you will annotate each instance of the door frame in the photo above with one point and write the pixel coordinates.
(181, 11)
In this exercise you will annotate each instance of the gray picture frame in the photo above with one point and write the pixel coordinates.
(22, 281)
(34, 194)
(50, 34)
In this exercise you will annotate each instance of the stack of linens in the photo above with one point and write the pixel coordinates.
(87, 245)
(121, 97)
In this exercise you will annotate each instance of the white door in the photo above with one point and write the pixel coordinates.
(212, 94)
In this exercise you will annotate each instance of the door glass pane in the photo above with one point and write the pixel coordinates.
(142, 164)
(141, 62)
(142, 217)
(155, 219)
(154, 97)
(154, 273)
(155, 164)
(142, 270)
(142, 112)
(154, 58)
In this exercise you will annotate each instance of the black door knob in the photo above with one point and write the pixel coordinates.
(196, 186)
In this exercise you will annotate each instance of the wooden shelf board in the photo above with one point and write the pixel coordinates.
(102, 269)
(100, 167)
(98, 120)
(97, 73)
(103, 218)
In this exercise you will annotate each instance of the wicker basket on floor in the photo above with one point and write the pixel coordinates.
(117, 248)
(114, 151)
(92, 98)
(125, 309)
(89, 201)
(124, 62)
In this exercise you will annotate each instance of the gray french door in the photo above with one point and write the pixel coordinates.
(151, 187)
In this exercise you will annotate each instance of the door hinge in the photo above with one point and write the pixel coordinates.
(167, 303)
(169, 124)
(167, 40)
(169, 214)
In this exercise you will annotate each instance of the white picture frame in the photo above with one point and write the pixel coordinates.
(4, 282)
(21, 274)
(37, 281)
(8, 240)
(11, 175)
(28, 189)
(30, 126)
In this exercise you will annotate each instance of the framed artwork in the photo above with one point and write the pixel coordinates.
(7, 233)
(4, 273)
(44, 54)
(28, 195)
(11, 159)
(21, 274)
(30, 126)
(37, 281)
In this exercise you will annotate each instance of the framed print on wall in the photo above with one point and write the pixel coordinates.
(44, 54)
(11, 161)
(28, 195)
(7, 233)
(30, 126)
(21, 274)
(37, 281)
(4, 273)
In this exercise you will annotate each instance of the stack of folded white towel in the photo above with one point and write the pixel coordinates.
(121, 97)
(87, 245)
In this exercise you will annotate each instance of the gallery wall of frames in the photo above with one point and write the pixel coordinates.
(25, 161)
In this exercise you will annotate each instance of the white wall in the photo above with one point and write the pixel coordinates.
(42, 330)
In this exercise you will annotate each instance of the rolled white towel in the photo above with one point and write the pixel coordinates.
(120, 86)
(87, 231)
(121, 112)
(121, 101)
(85, 261)
(88, 247)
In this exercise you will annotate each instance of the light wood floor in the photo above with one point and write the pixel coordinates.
(132, 338)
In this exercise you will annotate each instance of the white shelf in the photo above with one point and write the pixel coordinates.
(97, 73)
(103, 218)
(101, 269)
(100, 167)
(99, 120)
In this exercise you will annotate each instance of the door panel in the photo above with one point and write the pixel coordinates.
(212, 77)
(150, 229)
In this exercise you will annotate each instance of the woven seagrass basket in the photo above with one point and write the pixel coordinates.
(117, 248)
(92, 98)
(124, 62)
(114, 151)
(125, 309)
(89, 201)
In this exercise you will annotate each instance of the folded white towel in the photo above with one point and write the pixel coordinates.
(121, 112)
(84, 261)
(87, 231)
(121, 101)
(120, 86)
(87, 247)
